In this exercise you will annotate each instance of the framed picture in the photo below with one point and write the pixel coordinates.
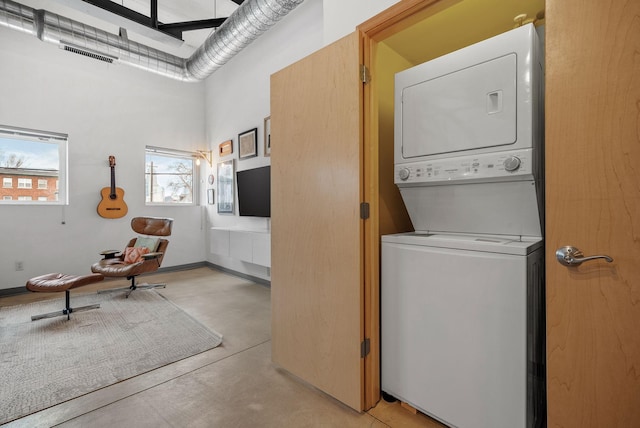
(248, 144)
(226, 148)
(267, 136)
(226, 187)
(211, 196)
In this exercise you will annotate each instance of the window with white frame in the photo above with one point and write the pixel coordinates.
(25, 183)
(34, 159)
(170, 177)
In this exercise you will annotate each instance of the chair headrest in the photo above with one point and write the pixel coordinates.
(154, 226)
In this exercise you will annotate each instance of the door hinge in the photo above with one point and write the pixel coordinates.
(365, 77)
(364, 210)
(365, 348)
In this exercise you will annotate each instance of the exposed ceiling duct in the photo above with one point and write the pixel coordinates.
(245, 25)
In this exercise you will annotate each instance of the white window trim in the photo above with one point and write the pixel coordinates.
(62, 141)
(196, 173)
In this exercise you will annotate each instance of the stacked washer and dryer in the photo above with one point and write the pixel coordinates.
(462, 297)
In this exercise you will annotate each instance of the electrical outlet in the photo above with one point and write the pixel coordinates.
(19, 266)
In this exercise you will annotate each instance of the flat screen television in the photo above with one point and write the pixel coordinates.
(254, 192)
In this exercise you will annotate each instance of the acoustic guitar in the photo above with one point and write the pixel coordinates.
(112, 204)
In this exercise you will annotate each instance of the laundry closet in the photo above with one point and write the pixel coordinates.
(335, 195)
(462, 297)
(333, 191)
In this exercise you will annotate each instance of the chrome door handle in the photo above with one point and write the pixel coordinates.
(571, 256)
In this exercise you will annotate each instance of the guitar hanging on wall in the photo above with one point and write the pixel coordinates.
(112, 204)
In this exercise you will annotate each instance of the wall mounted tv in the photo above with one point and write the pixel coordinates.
(254, 192)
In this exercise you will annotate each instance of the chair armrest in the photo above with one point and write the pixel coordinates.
(151, 256)
(109, 254)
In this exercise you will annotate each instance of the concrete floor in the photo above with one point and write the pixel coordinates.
(233, 385)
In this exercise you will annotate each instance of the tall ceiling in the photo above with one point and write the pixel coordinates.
(473, 20)
(169, 11)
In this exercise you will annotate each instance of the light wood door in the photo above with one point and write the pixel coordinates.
(316, 233)
(593, 203)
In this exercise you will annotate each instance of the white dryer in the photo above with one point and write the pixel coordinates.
(462, 298)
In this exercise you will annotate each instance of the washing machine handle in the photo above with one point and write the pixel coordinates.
(571, 256)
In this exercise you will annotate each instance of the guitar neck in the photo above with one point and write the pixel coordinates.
(113, 195)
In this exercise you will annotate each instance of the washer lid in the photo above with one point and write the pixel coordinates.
(501, 244)
(502, 208)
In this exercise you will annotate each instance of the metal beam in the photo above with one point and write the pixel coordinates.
(174, 29)
(177, 28)
(153, 13)
(122, 11)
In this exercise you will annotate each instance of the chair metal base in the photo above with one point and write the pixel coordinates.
(132, 287)
(66, 311)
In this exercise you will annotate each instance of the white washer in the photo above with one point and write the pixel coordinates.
(459, 318)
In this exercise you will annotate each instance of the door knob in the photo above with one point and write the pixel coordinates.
(571, 256)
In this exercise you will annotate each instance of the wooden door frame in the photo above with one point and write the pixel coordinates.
(387, 23)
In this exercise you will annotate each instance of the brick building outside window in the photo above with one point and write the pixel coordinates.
(28, 184)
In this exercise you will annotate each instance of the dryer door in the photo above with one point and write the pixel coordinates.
(469, 109)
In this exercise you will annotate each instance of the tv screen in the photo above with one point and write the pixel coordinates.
(254, 192)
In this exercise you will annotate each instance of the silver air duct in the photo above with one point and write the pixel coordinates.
(248, 22)
(17, 17)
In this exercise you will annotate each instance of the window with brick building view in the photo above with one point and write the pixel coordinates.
(32, 166)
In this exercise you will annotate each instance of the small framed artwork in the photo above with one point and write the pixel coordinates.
(226, 187)
(248, 144)
(211, 196)
(226, 148)
(267, 136)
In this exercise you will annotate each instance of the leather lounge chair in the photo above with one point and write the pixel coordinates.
(142, 254)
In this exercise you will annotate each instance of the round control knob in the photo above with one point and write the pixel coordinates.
(512, 163)
(404, 173)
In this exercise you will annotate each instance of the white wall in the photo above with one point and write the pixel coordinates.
(237, 99)
(238, 93)
(117, 110)
(342, 17)
(106, 110)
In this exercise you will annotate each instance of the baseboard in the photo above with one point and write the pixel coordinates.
(6, 292)
(188, 266)
(255, 279)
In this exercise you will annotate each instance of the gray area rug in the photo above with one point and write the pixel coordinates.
(47, 362)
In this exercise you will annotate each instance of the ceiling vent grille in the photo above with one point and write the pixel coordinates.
(86, 53)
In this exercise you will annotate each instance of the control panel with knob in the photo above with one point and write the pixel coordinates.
(404, 173)
(492, 166)
(511, 163)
